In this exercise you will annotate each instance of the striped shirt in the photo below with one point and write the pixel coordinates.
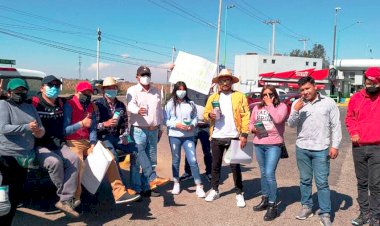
(318, 124)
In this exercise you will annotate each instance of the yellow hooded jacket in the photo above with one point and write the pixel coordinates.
(240, 110)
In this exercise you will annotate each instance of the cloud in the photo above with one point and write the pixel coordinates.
(165, 65)
(125, 55)
(94, 66)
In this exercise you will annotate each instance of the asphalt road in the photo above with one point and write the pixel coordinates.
(187, 209)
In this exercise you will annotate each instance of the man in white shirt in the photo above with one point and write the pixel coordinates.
(232, 124)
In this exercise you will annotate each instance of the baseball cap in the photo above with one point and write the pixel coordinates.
(83, 86)
(373, 74)
(17, 82)
(143, 70)
(49, 79)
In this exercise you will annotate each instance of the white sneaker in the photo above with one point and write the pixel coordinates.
(200, 192)
(212, 195)
(240, 201)
(176, 189)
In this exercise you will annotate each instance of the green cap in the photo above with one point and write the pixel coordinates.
(15, 83)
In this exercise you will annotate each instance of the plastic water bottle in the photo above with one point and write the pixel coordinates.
(116, 115)
(5, 205)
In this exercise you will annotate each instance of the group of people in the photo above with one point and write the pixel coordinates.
(59, 133)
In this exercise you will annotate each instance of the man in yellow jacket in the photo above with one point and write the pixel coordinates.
(228, 114)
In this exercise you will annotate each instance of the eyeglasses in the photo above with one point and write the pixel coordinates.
(51, 85)
(271, 95)
(224, 81)
(147, 74)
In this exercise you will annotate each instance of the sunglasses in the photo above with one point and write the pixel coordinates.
(271, 95)
(224, 81)
(51, 85)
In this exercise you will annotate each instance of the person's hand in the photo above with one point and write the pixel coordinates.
(181, 126)
(86, 122)
(268, 100)
(110, 123)
(89, 151)
(355, 138)
(171, 67)
(143, 111)
(38, 132)
(33, 125)
(333, 153)
(299, 105)
(212, 115)
(243, 142)
(254, 130)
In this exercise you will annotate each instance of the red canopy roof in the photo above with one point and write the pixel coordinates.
(316, 74)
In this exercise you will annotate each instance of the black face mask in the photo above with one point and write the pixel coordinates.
(18, 98)
(84, 99)
(372, 90)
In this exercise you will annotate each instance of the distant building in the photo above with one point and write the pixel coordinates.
(350, 76)
(281, 71)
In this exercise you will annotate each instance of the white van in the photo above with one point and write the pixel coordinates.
(32, 77)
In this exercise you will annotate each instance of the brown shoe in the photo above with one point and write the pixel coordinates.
(131, 192)
(158, 182)
(67, 208)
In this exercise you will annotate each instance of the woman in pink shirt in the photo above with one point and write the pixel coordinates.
(268, 125)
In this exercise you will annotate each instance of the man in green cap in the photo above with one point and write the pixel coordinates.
(19, 126)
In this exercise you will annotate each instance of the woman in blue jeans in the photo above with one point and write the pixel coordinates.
(181, 120)
(268, 125)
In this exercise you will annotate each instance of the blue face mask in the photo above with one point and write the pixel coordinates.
(52, 92)
(110, 93)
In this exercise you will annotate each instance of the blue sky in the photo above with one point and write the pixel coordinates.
(136, 32)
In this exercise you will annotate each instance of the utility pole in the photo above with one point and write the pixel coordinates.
(97, 54)
(273, 23)
(304, 40)
(335, 22)
(218, 39)
(80, 67)
(225, 33)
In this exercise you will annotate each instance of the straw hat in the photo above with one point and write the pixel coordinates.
(225, 73)
(109, 81)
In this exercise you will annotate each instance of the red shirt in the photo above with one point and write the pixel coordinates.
(363, 118)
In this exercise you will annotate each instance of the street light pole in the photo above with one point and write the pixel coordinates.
(218, 39)
(335, 22)
(225, 33)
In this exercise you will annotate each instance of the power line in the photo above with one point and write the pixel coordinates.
(201, 21)
(58, 45)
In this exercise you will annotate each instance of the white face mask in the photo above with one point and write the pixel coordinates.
(145, 80)
(180, 93)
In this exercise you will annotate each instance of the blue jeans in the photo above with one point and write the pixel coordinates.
(317, 162)
(146, 146)
(267, 157)
(188, 145)
(204, 137)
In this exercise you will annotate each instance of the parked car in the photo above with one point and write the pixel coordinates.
(32, 77)
(288, 99)
(254, 99)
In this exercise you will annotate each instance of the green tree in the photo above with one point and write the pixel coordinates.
(318, 51)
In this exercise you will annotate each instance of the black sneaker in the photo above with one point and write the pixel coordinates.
(127, 198)
(361, 219)
(155, 193)
(185, 177)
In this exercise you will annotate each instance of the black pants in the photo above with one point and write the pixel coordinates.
(218, 146)
(203, 137)
(367, 170)
(13, 176)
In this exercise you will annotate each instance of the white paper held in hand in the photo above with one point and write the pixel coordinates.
(238, 155)
(96, 166)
